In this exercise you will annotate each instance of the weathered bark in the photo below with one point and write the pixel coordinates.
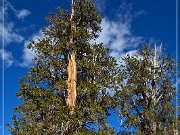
(71, 93)
(71, 98)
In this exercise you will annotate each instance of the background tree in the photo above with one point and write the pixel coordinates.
(147, 92)
(66, 60)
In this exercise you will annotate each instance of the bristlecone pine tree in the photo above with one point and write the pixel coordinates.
(65, 92)
(146, 93)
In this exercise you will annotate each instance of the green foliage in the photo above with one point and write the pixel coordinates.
(138, 107)
(43, 89)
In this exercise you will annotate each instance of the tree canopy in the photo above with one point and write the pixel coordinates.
(44, 88)
(147, 92)
(74, 83)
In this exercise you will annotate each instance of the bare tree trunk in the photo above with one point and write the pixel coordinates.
(154, 80)
(153, 125)
(71, 94)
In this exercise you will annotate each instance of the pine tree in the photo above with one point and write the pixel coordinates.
(65, 92)
(146, 93)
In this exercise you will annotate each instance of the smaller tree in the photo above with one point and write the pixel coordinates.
(147, 91)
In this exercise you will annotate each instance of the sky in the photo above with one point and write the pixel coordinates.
(127, 25)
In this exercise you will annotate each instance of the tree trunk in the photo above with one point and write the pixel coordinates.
(153, 125)
(71, 94)
(71, 98)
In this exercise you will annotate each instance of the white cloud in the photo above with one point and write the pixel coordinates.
(117, 34)
(8, 31)
(8, 34)
(28, 54)
(21, 14)
(6, 57)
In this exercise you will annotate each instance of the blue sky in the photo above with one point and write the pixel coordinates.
(127, 25)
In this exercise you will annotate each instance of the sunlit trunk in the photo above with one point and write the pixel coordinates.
(71, 98)
(71, 94)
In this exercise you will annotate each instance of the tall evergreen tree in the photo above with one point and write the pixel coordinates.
(146, 93)
(65, 92)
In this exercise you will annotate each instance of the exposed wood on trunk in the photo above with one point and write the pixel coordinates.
(71, 99)
(71, 94)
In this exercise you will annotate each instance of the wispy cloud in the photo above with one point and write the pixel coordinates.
(23, 13)
(8, 31)
(6, 57)
(9, 35)
(20, 14)
(28, 54)
(117, 34)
